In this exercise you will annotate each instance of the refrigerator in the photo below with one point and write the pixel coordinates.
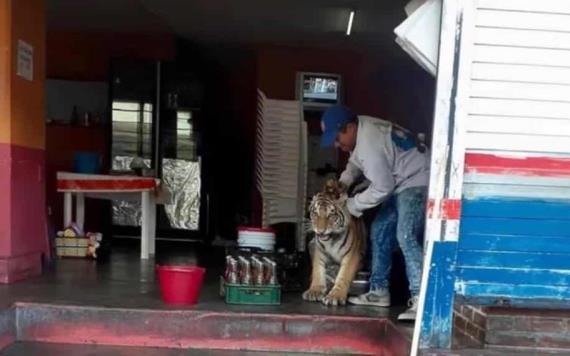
(156, 115)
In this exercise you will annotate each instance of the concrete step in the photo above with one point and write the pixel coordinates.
(547, 330)
(198, 329)
(495, 352)
(536, 328)
(47, 349)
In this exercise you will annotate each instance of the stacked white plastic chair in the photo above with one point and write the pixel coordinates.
(281, 160)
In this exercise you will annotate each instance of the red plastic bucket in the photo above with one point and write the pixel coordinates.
(180, 284)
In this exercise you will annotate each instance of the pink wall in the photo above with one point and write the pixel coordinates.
(5, 202)
(23, 228)
(28, 201)
(396, 90)
(87, 55)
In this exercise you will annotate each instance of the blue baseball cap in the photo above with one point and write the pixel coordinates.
(333, 119)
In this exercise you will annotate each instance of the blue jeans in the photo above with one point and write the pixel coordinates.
(399, 220)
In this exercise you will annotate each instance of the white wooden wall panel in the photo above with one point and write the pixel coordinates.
(473, 177)
(523, 20)
(516, 55)
(528, 91)
(525, 108)
(515, 142)
(522, 38)
(472, 191)
(554, 6)
(521, 73)
(519, 125)
(520, 79)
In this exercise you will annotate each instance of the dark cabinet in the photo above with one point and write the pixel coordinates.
(156, 110)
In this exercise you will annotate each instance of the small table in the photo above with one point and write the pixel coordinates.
(110, 187)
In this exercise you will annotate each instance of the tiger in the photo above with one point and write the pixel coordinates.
(339, 239)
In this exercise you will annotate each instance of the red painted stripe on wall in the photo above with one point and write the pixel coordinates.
(526, 166)
(106, 185)
(450, 209)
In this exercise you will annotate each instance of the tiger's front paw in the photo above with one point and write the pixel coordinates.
(335, 297)
(314, 294)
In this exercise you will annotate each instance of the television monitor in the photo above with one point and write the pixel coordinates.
(319, 89)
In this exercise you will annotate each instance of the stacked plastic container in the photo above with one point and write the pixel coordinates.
(262, 238)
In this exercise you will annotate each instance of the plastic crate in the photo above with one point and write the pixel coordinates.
(72, 246)
(252, 294)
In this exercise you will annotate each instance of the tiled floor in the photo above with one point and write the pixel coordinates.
(125, 281)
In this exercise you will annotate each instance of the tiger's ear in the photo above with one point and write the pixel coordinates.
(334, 189)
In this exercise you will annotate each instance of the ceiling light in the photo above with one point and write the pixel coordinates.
(349, 27)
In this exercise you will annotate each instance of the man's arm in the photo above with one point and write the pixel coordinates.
(350, 174)
(381, 185)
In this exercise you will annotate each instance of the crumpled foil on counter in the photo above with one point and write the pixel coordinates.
(181, 178)
(184, 182)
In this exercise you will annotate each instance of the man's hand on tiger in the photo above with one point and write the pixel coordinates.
(343, 188)
(350, 205)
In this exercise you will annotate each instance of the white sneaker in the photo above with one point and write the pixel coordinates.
(377, 298)
(410, 313)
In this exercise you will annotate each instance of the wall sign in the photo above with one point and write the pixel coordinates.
(25, 68)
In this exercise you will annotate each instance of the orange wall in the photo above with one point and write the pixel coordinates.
(5, 68)
(22, 101)
(28, 128)
(87, 56)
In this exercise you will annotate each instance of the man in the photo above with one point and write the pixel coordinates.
(398, 172)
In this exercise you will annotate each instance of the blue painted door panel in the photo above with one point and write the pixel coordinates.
(518, 292)
(530, 260)
(514, 276)
(514, 249)
(516, 208)
(515, 226)
(521, 243)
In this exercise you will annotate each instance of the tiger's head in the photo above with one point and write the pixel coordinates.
(328, 212)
